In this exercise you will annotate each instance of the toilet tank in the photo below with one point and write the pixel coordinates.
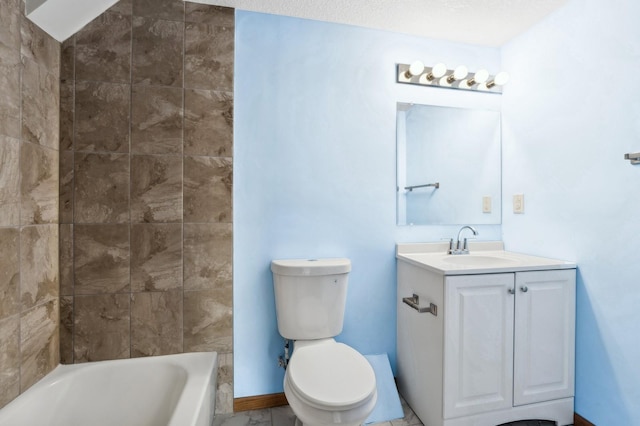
(310, 297)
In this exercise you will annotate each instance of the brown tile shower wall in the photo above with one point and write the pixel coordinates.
(29, 115)
(146, 141)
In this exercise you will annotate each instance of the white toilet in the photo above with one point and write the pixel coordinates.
(326, 382)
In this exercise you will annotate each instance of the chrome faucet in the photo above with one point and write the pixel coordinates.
(464, 247)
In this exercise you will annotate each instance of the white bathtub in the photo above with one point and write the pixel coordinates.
(171, 390)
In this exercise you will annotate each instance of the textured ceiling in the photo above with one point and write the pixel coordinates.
(484, 22)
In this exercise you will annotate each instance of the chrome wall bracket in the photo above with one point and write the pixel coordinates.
(633, 157)
(414, 302)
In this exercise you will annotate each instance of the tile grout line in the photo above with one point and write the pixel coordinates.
(182, 114)
(130, 181)
(21, 19)
(73, 208)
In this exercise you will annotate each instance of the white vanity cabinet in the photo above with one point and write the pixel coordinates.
(499, 349)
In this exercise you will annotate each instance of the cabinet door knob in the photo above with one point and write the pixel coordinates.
(511, 291)
(524, 289)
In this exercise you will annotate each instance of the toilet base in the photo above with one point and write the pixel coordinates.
(299, 423)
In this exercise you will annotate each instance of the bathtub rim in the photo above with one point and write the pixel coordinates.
(196, 404)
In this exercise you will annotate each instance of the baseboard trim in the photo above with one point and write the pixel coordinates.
(578, 420)
(259, 402)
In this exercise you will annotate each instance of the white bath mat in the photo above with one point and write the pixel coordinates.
(388, 406)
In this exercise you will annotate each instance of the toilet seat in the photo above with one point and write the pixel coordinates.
(331, 375)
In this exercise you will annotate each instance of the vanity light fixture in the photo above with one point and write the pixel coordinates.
(439, 76)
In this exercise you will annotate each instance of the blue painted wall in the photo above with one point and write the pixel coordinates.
(315, 176)
(314, 172)
(570, 113)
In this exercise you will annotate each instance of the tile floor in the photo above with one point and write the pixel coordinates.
(283, 416)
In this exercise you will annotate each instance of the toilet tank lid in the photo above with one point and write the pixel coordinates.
(310, 267)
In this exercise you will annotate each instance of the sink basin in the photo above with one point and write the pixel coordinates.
(479, 261)
(485, 257)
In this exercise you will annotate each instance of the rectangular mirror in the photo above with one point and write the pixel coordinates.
(449, 165)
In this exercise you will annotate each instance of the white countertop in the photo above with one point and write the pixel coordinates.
(485, 257)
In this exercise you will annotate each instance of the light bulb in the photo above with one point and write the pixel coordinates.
(416, 68)
(459, 73)
(437, 71)
(481, 76)
(499, 80)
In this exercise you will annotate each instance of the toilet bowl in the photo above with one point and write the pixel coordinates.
(329, 383)
(326, 382)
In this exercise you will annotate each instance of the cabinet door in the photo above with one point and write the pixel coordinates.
(478, 347)
(544, 336)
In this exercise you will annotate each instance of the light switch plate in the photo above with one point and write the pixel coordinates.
(518, 203)
(486, 204)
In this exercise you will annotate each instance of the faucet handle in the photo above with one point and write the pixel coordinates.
(465, 244)
(450, 243)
